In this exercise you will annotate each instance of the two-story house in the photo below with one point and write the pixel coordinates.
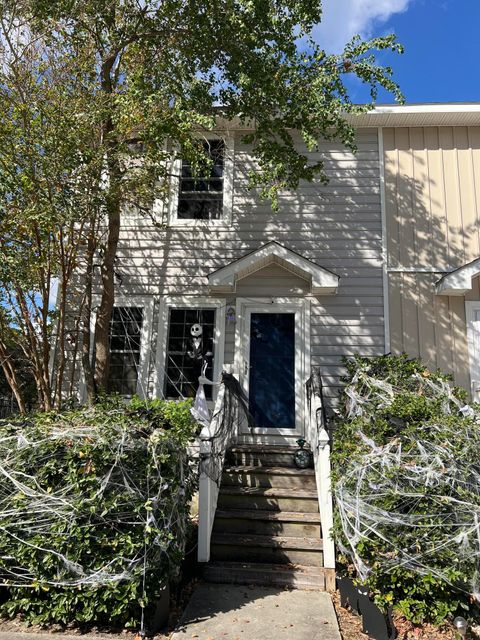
(386, 257)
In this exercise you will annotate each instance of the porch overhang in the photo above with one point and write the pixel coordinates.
(322, 281)
(459, 281)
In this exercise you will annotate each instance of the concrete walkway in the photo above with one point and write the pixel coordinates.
(232, 612)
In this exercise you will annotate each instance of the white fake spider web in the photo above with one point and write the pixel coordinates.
(149, 504)
(414, 500)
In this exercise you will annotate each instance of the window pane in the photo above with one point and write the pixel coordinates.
(125, 338)
(195, 209)
(186, 352)
(201, 195)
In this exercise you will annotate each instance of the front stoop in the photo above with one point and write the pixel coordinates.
(267, 528)
(257, 613)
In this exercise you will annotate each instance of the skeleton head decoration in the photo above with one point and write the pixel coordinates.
(196, 330)
(196, 352)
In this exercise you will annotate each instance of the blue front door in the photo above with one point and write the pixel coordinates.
(272, 370)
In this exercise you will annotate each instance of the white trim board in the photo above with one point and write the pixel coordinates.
(472, 314)
(301, 307)
(322, 280)
(189, 302)
(386, 301)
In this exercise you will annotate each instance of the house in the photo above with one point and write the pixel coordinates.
(386, 257)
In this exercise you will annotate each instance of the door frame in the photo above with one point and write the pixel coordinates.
(473, 343)
(301, 308)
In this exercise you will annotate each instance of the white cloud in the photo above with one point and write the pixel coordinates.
(342, 19)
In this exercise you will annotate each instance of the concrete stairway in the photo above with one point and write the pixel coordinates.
(267, 528)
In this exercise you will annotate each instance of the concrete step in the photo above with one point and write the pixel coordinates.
(267, 549)
(234, 612)
(267, 499)
(276, 575)
(256, 521)
(257, 476)
(257, 455)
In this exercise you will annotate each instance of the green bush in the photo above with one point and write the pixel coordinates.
(406, 474)
(94, 510)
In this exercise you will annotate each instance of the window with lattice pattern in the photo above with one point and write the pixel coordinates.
(201, 195)
(125, 343)
(185, 355)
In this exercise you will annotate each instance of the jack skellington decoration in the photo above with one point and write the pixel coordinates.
(196, 344)
(196, 350)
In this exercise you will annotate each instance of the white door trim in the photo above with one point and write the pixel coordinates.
(301, 308)
(472, 314)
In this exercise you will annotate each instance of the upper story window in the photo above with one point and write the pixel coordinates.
(201, 195)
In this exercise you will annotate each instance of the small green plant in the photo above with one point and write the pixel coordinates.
(94, 510)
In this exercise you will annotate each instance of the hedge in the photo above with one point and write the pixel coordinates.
(406, 474)
(94, 510)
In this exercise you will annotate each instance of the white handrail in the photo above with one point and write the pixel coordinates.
(208, 488)
(319, 441)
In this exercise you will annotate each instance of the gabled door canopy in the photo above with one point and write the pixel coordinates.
(458, 282)
(321, 280)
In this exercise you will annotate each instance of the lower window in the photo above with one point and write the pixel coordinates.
(190, 345)
(125, 344)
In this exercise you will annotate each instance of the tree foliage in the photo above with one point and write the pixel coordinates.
(50, 164)
(162, 73)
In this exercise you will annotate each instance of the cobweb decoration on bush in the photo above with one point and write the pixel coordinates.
(413, 503)
(130, 495)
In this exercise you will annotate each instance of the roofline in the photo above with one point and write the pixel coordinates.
(401, 115)
(428, 107)
(418, 115)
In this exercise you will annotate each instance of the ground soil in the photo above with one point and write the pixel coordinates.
(351, 627)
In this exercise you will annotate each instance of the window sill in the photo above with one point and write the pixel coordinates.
(186, 224)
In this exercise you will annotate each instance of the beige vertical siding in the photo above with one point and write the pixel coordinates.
(432, 199)
(337, 226)
(432, 178)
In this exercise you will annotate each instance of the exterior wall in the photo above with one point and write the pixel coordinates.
(338, 226)
(432, 201)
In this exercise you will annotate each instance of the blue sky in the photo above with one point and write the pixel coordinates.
(441, 62)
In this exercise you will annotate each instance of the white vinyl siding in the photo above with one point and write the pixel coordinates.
(337, 226)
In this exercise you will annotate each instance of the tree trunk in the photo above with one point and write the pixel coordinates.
(104, 314)
(35, 353)
(60, 360)
(11, 377)
(113, 205)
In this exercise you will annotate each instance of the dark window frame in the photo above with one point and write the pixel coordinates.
(130, 350)
(180, 370)
(201, 198)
